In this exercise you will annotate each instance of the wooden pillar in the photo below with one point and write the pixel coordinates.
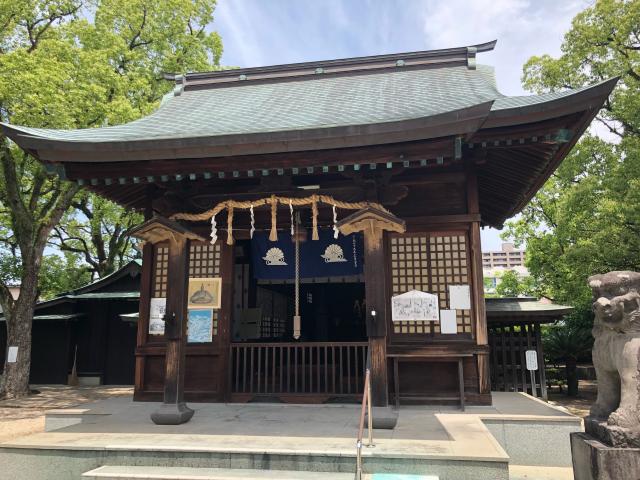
(143, 315)
(373, 223)
(477, 278)
(173, 410)
(375, 294)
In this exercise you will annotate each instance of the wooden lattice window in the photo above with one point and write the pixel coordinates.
(430, 262)
(204, 262)
(161, 267)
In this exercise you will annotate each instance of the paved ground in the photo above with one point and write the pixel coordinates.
(26, 416)
(579, 405)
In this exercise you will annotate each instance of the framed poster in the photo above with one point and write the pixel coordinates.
(200, 325)
(415, 306)
(204, 292)
(156, 316)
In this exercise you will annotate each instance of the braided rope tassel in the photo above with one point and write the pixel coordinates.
(230, 226)
(214, 230)
(291, 212)
(314, 211)
(273, 235)
(335, 222)
(253, 222)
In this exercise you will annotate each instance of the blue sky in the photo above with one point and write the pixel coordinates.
(268, 32)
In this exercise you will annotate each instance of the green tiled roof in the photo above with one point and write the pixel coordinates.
(526, 306)
(319, 102)
(322, 102)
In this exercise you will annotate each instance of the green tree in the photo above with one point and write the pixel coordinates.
(512, 285)
(59, 274)
(74, 64)
(586, 218)
(97, 230)
(568, 342)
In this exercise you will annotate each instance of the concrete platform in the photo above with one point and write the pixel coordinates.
(477, 444)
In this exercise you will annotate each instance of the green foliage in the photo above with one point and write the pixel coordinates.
(512, 285)
(586, 218)
(78, 64)
(97, 230)
(60, 274)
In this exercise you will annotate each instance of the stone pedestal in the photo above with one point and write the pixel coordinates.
(384, 418)
(172, 414)
(612, 435)
(593, 460)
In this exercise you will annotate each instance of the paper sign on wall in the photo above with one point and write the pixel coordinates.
(459, 297)
(414, 306)
(448, 323)
(12, 355)
(157, 309)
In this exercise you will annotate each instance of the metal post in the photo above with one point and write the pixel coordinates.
(533, 383)
(370, 414)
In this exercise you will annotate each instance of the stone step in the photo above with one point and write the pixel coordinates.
(129, 472)
(113, 472)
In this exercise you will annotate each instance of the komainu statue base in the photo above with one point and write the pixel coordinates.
(610, 447)
(593, 460)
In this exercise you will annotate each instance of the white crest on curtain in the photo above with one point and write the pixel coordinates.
(214, 230)
(335, 222)
(253, 222)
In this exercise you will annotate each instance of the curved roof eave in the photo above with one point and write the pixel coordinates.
(458, 122)
(564, 103)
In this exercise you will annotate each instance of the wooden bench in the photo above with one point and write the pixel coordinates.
(429, 357)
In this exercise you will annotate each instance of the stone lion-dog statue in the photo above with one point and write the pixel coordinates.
(616, 350)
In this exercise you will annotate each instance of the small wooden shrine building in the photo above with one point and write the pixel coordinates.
(331, 187)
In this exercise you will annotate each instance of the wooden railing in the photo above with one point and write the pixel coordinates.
(320, 368)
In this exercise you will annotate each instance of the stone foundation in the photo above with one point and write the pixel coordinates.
(593, 460)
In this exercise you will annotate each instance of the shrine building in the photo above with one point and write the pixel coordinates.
(302, 218)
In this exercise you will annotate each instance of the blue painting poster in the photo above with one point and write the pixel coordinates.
(200, 325)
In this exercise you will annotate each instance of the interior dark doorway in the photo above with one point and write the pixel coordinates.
(332, 308)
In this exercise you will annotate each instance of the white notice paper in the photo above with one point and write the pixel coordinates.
(156, 316)
(459, 297)
(414, 306)
(448, 323)
(532, 359)
(12, 355)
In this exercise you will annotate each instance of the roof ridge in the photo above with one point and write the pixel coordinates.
(423, 58)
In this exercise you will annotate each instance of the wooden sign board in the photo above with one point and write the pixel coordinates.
(532, 359)
(415, 306)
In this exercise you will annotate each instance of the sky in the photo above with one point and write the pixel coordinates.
(269, 32)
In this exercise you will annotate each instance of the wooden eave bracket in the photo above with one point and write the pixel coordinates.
(160, 229)
(371, 219)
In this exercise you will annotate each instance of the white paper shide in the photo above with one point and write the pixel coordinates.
(157, 309)
(414, 306)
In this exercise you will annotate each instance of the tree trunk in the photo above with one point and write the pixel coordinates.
(572, 377)
(19, 320)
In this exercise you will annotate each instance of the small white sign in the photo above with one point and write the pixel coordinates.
(448, 323)
(12, 355)
(459, 297)
(414, 306)
(157, 310)
(532, 359)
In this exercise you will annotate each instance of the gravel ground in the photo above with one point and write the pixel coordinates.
(26, 416)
